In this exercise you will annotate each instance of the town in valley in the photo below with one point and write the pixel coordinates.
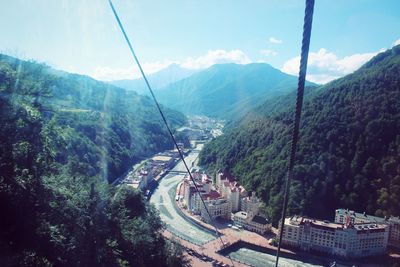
(235, 214)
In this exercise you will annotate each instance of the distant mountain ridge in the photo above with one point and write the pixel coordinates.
(227, 90)
(157, 80)
(349, 148)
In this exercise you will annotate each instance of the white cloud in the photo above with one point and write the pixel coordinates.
(212, 57)
(216, 57)
(133, 72)
(274, 40)
(325, 66)
(397, 42)
(268, 52)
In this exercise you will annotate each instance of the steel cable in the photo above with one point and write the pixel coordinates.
(308, 17)
(164, 119)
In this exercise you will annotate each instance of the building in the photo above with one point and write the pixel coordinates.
(345, 215)
(394, 231)
(216, 206)
(342, 239)
(251, 222)
(225, 199)
(229, 188)
(164, 161)
(138, 180)
(250, 204)
(190, 196)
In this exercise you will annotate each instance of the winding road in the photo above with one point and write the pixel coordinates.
(164, 197)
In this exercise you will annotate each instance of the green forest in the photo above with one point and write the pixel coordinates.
(64, 137)
(227, 91)
(349, 150)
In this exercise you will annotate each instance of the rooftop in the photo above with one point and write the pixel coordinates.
(366, 217)
(298, 220)
(241, 214)
(212, 195)
(162, 158)
(260, 220)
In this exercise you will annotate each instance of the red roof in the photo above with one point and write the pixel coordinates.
(212, 195)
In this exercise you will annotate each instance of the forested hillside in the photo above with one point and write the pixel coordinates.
(62, 137)
(227, 91)
(349, 150)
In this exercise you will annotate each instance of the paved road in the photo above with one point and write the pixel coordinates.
(164, 197)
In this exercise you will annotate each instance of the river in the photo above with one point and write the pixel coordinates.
(163, 199)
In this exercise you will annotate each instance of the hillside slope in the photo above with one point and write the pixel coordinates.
(87, 117)
(349, 150)
(62, 136)
(227, 91)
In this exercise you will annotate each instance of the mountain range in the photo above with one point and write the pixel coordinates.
(157, 80)
(349, 149)
(227, 91)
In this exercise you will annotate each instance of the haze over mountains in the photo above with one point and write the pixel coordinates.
(90, 115)
(157, 80)
(349, 148)
(227, 90)
(223, 91)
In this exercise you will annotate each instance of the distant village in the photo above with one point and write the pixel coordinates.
(146, 175)
(351, 235)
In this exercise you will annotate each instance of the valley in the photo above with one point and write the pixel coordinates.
(89, 173)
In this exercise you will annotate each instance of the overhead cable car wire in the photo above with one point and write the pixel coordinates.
(305, 46)
(164, 118)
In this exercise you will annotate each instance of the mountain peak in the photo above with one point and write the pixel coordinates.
(226, 90)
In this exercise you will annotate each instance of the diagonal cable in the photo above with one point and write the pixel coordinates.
(299, 103)
(164, 119)
(308, 17)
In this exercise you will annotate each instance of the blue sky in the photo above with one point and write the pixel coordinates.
(82, 36)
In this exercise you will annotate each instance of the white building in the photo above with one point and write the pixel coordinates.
(251, 222)
(250, 204)
(230, 189)
(345, 215)
(227, 197)
(347, 240)
(216, 206)
(190, 196)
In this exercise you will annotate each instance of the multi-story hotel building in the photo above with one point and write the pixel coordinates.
(217, 207)
(251, 222)
(342, 239)
(228, 199)
(250, 204)
(343, 215)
